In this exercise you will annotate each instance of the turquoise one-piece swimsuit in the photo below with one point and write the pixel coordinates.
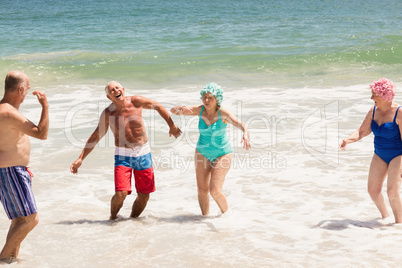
(214, 140)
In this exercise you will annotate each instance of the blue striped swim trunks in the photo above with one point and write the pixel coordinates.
(16, 192)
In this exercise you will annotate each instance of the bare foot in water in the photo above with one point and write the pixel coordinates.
(8, 260)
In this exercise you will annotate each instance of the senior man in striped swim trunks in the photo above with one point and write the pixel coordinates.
(132, 152)
(15, 179)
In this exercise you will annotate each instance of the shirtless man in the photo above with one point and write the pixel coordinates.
(132, 153)
(15, 180)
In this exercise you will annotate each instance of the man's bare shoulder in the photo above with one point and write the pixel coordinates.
(111, 107)
(10, 119)
(108, 111)
(138, 101)
(6, 107)
(8, 111)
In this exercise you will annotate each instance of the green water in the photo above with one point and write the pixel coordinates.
(287, 43)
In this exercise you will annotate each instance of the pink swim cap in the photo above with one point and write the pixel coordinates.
(384, 88)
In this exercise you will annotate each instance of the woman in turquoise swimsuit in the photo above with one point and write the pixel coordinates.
(384, 119)
(213, 155)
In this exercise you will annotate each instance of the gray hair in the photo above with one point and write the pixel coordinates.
(107, 86)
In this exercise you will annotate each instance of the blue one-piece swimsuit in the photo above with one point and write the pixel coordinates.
(387, 139)
(213, 141)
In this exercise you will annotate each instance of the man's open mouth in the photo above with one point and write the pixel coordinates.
(117, 96)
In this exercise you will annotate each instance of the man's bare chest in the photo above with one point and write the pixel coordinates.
(129, 118)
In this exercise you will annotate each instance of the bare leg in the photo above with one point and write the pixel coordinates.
(220, 168)
(377, 173)
(203, 174)
(19, 229)
(139, 205)
(116, 203)
(393, 187)
(14, 254)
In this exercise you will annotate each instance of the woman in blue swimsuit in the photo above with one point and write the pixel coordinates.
(213, 155)
(385, 121)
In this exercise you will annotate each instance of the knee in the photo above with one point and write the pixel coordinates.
(143, 197)
(203, 191)
(374, 192)
(33, 220)
(120, 195)
(215, 192)
(392, 192)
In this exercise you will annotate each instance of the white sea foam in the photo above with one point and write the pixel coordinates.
(295, 199)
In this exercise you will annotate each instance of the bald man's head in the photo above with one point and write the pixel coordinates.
(14, 79)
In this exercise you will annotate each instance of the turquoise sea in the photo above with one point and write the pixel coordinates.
(296, 72)
(154, 43)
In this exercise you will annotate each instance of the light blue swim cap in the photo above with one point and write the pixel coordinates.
(215, 90)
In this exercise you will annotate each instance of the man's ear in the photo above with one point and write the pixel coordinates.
(107, 95)
(21, 90)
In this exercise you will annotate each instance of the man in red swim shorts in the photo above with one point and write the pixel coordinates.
(132, 154)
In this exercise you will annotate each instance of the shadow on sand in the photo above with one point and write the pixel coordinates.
(103, 222)
(339, 225)
(180, 219)
(189, 218)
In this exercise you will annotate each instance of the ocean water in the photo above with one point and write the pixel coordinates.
(296, 72)
(159, 43)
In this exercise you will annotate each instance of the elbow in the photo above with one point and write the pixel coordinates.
(363, 134)
(93, 140)
(159, 108)
(43, 136)
(40, 133)
(174, 110)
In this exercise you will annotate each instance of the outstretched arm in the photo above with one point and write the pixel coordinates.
(361, 132)
(96, 136)
(228, 117)
(154, 105)
(186, 110)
